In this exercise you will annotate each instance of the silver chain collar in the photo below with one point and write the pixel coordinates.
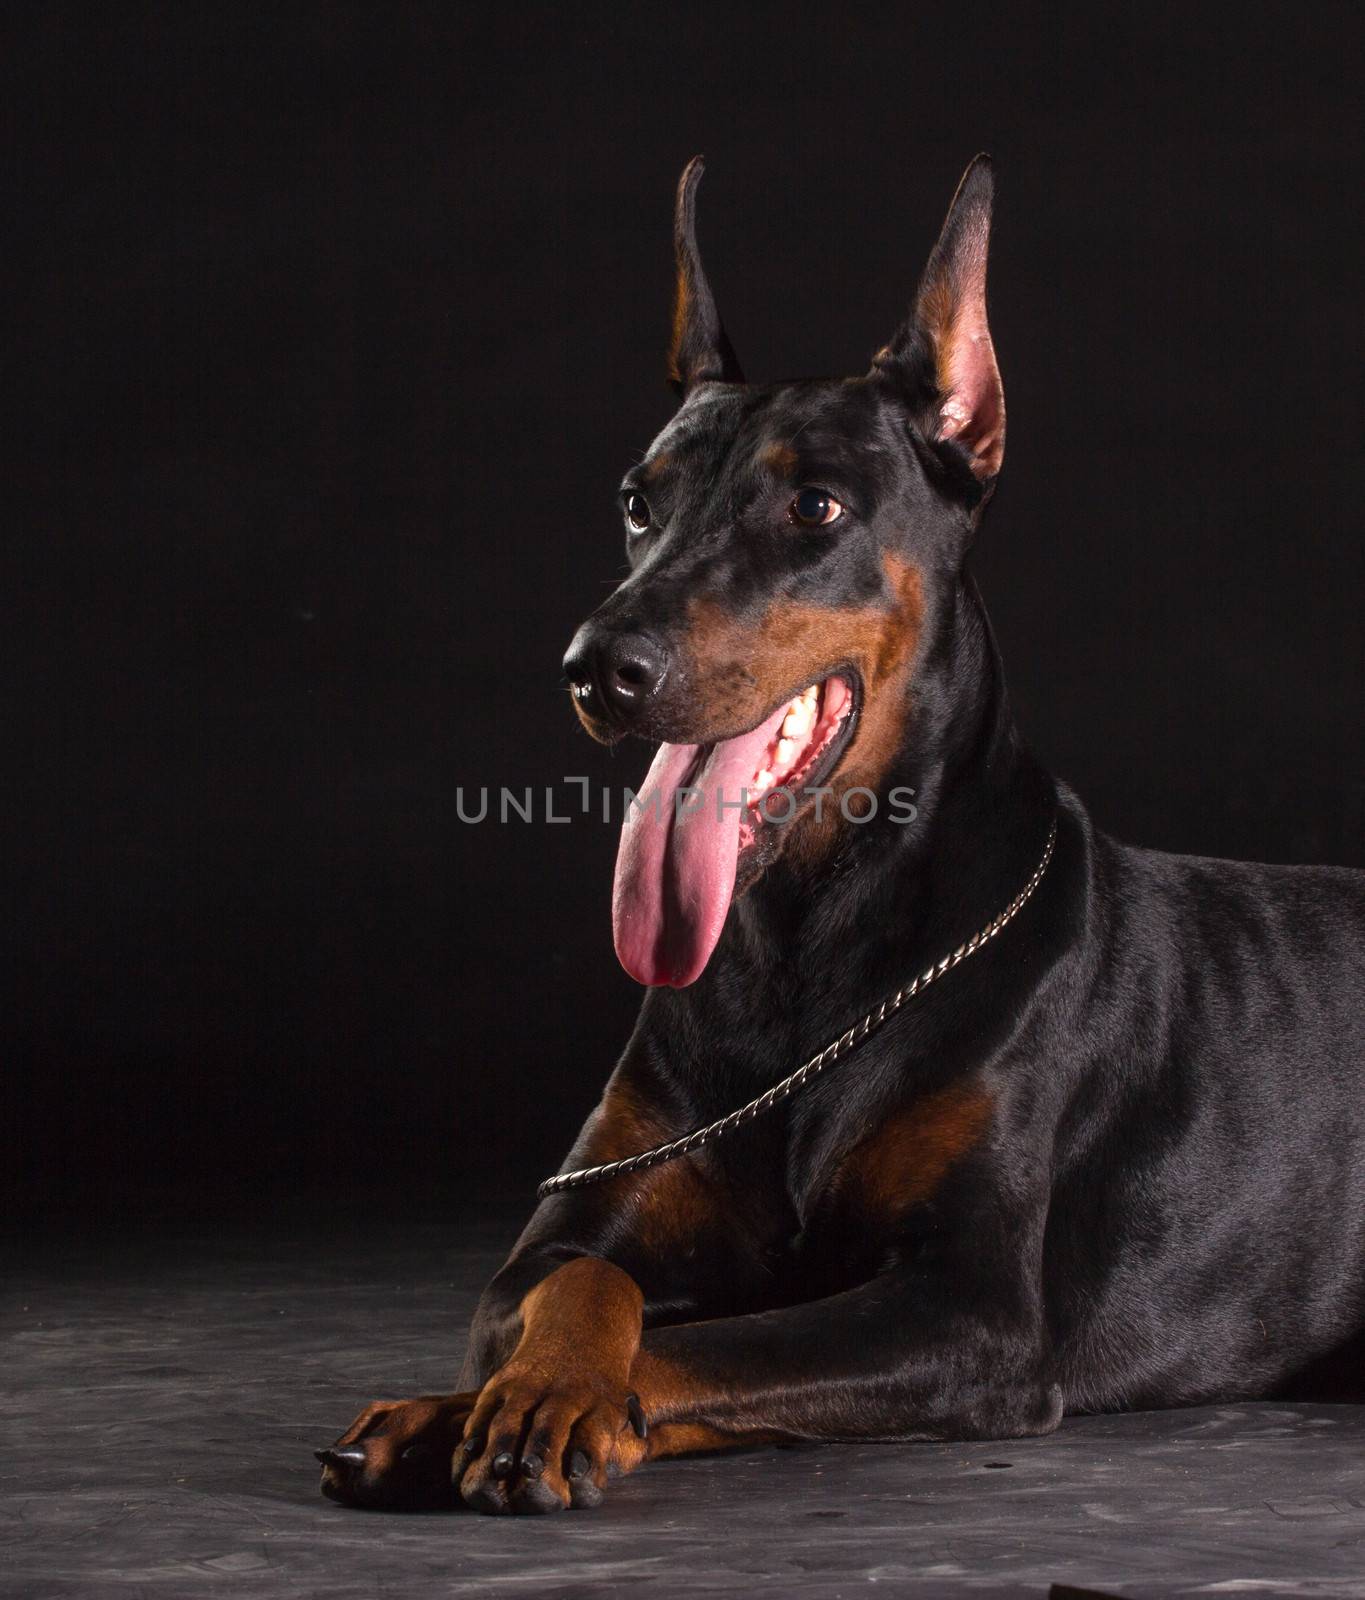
(817, 1063)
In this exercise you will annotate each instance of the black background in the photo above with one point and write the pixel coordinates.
(336, 328)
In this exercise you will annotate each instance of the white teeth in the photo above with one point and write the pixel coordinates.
(801, 716)
(798, 720)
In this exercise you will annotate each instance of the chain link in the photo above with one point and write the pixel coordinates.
(816, 1065)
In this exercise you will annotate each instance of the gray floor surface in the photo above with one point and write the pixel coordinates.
(162, 1398)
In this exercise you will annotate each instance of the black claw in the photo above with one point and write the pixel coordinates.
(532, 1467)
(635, 1411)
(472, 1446)
(579, 1464)
(502, 1465)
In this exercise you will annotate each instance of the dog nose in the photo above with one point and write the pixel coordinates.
(613, 671)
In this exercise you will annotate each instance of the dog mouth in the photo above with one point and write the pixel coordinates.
(710, 817)
(814, 732)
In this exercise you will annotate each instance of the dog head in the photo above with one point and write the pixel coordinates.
(787, 543)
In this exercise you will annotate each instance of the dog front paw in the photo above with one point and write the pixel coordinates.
(535, 1444)
(399, 1454)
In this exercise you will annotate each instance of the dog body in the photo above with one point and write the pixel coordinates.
(1114, 1158)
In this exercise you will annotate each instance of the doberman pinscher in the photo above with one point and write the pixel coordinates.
(1109, 1150)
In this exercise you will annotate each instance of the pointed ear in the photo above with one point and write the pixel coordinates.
(700, 352)
(946, 339)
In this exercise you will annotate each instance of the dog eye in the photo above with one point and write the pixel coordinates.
(813, 508)
(637, 511)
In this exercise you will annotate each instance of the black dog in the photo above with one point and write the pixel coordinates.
(1111, 1151)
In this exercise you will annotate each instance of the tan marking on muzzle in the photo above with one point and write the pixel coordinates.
(740, 668)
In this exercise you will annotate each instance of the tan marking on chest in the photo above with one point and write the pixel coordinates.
(905, 1161)
(670, 1204)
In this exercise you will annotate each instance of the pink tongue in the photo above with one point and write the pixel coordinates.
(675, 869)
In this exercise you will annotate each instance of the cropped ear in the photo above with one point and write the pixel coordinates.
(945, 346)
(700, 352)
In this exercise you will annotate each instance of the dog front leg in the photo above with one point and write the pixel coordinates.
(897, 1358)
(585, 1396)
